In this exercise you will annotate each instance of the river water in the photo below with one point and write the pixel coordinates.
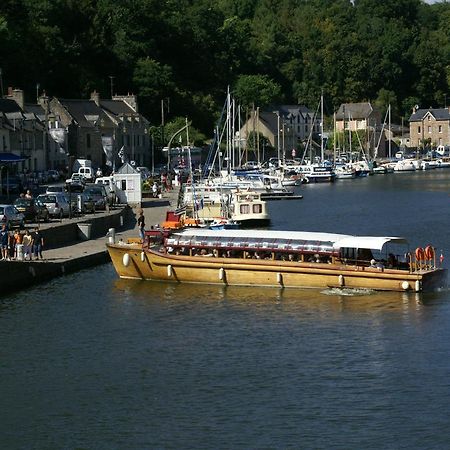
(89, 361)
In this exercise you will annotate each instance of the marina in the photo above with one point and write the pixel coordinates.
(154, 356)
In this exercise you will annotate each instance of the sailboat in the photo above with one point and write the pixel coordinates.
(321, 171)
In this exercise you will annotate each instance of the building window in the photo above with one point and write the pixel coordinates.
(88, 140)
(429, 128)
(418, 130)
(440, 128)
(429, 118)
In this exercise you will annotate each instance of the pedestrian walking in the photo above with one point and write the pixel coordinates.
(38, 244)
(141, 224)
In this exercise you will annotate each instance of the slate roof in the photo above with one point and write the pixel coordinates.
(438, 114)
(116, 107)
(9, 106)
(85, 112)
(37, 110)
(270, 120)
(354, 111)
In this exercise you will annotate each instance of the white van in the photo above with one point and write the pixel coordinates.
(88, 173)
(110, 187)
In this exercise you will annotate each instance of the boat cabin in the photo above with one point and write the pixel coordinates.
(327, 248)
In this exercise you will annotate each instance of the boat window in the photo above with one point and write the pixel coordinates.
(244, 209)
(257, 208)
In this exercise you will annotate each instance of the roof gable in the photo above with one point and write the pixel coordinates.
(354, 111)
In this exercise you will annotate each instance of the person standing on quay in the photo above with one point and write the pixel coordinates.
(27, 240)
(141, 224)
(38, 244)
(4, 241)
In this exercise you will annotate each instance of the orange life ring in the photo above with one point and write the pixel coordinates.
(420, 254)
(429, 252)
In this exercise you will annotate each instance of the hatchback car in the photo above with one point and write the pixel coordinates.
(97, 192)
(56, 203)
(10, 216)
(33, 210)
(86, 206)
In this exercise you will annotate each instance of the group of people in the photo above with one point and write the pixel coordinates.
(32, 244)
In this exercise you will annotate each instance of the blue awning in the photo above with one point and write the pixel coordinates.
(10, 158)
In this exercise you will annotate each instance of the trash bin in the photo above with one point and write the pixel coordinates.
(85, 231)
(19, 249)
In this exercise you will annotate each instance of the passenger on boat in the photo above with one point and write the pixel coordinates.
(392, 261)
(376, 265)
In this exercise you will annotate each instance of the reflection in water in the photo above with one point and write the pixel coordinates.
(332, 300)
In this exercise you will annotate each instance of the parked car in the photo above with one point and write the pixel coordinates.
(110, 188)
(52, 189)
(87, 203)
(97, 192)
(87, 173)
(56, 203)
(33, 210)
(75, 183)
(10, 216)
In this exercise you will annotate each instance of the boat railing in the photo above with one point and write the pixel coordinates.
(423, 259)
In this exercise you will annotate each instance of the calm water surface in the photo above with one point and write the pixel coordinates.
(89, 361)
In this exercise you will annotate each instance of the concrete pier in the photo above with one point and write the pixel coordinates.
(67, 248)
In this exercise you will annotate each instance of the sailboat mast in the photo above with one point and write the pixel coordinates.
(321, 129)
(389, 135)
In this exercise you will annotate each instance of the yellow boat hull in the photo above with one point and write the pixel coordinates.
(133, 262)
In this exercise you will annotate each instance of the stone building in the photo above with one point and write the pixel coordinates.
(363, 119)
(23, 131)
(284, 128)
(429, 127)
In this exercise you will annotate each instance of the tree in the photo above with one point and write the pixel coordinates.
(256, 90)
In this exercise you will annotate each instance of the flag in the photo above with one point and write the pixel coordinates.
(107, 144)
(121, 154)
(180, 211)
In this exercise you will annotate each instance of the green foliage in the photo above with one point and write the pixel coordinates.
(395, 51)
(257, 90)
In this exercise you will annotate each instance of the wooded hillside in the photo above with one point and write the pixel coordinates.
(390, 51)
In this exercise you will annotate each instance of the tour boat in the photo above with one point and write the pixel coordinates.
(278, 258)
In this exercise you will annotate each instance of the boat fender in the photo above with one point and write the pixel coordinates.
(169, 270)
(126, 260)
(221, 273)
(418, 286)
(429, 252)
(142, 256)
(420, 254)
(405, 285)
(341, 280)
(279, 278)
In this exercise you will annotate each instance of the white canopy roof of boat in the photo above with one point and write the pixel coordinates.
(337, 240)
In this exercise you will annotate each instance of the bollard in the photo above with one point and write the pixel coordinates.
(112, 236)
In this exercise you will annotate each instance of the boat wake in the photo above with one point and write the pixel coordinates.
(347, 292)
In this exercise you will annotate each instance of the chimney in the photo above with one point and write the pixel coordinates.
(16, 95)
(96, 97)
(130, 100)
